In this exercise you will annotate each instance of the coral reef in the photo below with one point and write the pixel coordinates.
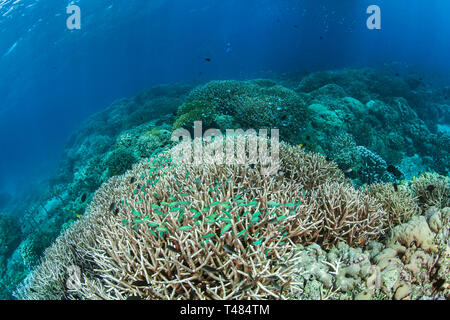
(369, 107)
(197, 231)
(418, 269)
(9, 240)
(431, 189)
(250, 104)
(195, 110)
(397, 200)
(9, 234)
(363, 194)
(96, 151)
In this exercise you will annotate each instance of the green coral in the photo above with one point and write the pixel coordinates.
(119, 160)
(31, 251)
(246, 104)
(152, 141)
(197, 110)
(9, 234)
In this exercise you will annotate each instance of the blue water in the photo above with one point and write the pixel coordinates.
(51, 78)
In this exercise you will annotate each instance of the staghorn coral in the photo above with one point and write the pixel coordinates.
(345, 214)
(308, 169)
(166, 230)
(431, 189)
(398, 202)
(386, 125)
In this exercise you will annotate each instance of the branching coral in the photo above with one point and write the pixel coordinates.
(345, 214)
(431, 189)
(307, 168)
(166, 230)
(398, 202)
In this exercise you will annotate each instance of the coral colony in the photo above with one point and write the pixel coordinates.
(249, 151)
(347, 199)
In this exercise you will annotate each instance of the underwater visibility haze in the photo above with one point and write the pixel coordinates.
(93, 204)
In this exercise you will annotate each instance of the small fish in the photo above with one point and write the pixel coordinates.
(394, 171)
(413, 243)
(83, 197)
(273, 278)
(112, 206)
(308, 137)
(361, 240)
(272, 221)
(295, 26)
(439, 283)
(132, 180)
(78, 216)
(173, 249)
(206, 294)
(300, 145)
(213, 270)
(140, 283)
(210, 269)
(229, 249)
(208, 59)
(321, 38)
(348, 171)
(246, 287)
